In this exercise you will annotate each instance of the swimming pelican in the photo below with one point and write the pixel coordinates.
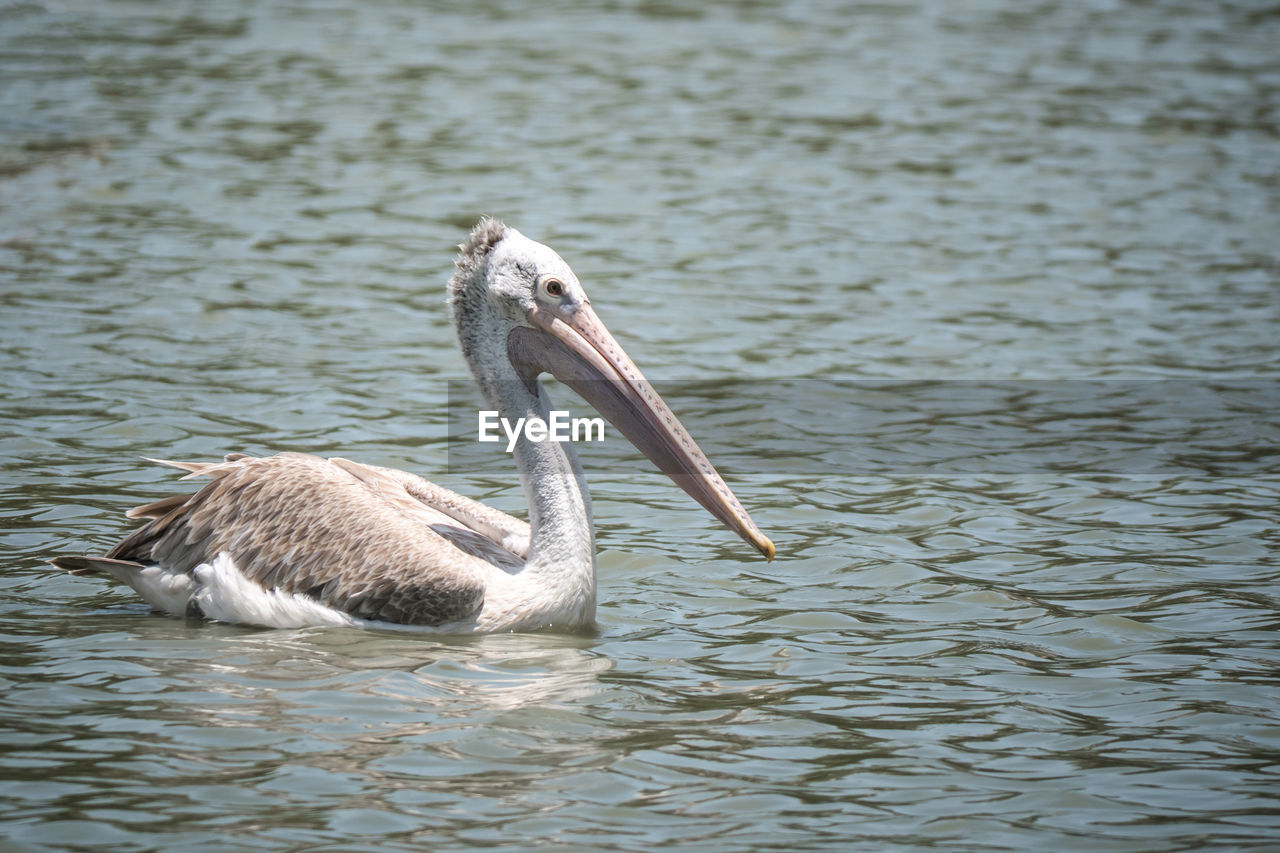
(294, 540)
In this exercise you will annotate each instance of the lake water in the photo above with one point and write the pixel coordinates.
(228, 227)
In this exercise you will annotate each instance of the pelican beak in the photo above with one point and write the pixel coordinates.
(579, 351)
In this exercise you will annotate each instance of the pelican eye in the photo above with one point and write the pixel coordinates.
(554, 287)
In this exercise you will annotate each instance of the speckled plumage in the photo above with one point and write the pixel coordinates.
(347, 535)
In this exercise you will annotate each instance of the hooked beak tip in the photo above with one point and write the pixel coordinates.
(765, 546)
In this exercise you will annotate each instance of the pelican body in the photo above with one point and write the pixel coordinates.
(294, 540)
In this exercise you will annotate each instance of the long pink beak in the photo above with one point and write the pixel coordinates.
(579, 351)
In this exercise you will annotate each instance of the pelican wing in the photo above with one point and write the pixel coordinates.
(505, 530)
(348, 536)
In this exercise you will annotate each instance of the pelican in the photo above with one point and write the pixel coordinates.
(296, 540)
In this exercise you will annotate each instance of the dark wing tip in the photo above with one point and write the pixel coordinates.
(82, 565)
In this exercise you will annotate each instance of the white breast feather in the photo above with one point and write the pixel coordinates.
(226, 595)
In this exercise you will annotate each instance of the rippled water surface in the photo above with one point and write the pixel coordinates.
(227, 227)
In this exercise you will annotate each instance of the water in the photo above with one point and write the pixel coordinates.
(227, 227)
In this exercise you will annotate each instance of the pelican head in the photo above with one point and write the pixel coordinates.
(520, 311)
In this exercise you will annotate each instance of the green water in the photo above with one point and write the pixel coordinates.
(228, 227)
